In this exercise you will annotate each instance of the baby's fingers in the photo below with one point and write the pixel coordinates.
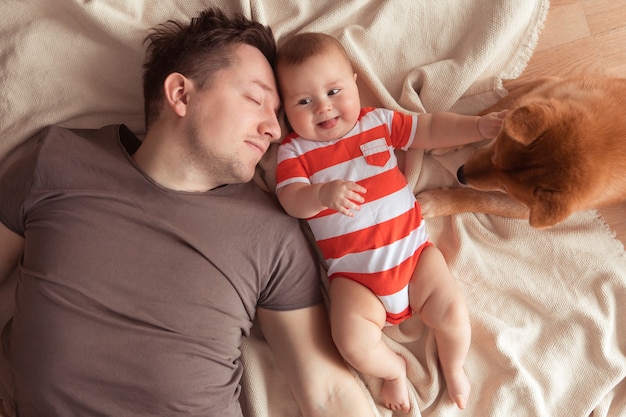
(348, 207)
(354, 192)
(342, 196)
(354, 197)
(353, 186)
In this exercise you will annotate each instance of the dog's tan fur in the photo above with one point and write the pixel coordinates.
(562, 149)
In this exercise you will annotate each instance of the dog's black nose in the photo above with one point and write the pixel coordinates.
(460, 175)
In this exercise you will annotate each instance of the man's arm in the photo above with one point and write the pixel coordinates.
(11, 249)
(319, 378)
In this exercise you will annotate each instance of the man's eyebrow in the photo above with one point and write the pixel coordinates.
(269, 89)
(264, 86)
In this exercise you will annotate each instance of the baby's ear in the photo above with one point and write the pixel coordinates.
(526, 123)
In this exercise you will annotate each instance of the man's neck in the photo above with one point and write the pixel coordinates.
(161, 159)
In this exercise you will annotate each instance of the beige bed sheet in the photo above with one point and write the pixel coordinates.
(547, 307)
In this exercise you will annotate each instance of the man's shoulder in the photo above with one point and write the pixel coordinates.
(58, 153)
(55, 131)
(62, 139)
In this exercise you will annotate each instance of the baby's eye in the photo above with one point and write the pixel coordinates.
(304, 101)
(333, 91)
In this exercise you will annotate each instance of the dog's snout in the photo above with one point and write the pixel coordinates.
(460, 175)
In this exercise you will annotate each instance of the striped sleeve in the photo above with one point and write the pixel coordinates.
(403, 128)
(289, 167)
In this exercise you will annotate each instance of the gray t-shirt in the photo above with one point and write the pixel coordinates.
(133, 299)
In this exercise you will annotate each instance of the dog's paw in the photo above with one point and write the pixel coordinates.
(433, 203)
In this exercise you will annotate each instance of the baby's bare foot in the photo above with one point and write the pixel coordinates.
(458, 388)
(396, 392)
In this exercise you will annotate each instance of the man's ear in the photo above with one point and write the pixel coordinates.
(176, 88)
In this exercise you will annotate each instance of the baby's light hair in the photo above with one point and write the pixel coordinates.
(303, 46)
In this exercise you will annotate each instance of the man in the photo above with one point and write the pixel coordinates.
(143, 264)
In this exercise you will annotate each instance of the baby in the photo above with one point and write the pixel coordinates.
(338, 170)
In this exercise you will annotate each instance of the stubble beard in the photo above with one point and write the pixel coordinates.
(217, 168)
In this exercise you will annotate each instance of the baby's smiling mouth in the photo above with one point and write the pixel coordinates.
(329, 124)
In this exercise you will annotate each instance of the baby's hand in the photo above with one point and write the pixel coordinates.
(342, 196)
(490, 124)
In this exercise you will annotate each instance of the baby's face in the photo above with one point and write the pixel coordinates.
(320, 96)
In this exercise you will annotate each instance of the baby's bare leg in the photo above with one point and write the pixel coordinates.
(437, 298)
(357, 317)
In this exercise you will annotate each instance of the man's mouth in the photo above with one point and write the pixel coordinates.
(260, 147)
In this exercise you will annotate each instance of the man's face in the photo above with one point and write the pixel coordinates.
(233, 119)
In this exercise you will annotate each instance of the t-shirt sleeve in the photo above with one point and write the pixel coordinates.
(16, 180)
(289, 168)
(295, 280)
(403, 128)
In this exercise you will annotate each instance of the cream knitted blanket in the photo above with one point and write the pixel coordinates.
(548, 308)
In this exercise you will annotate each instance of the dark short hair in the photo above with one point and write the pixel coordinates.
(197, 50)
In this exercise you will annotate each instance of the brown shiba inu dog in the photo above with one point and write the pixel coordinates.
(562, 148)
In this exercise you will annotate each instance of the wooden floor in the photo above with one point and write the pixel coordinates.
(583, 36)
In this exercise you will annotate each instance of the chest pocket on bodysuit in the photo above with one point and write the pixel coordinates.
(376, 152)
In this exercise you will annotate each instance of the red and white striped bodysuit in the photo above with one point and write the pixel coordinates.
(379, 247)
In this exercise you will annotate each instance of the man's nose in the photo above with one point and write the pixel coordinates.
(270, 128)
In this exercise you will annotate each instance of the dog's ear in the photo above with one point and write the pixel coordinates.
(524, 124)
(550, 207)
